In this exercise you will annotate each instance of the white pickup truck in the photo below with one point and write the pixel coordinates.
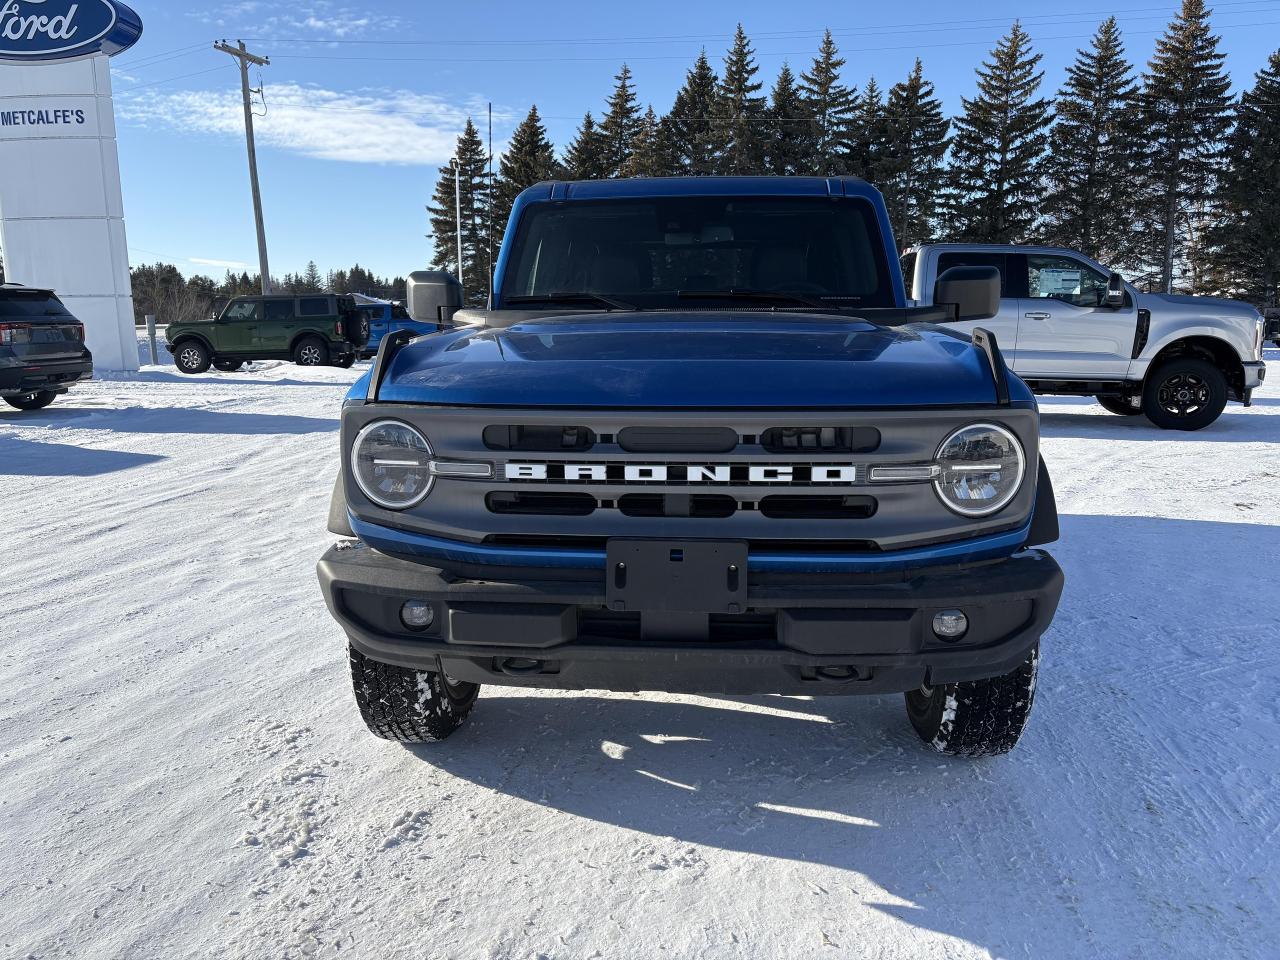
(1070, 326)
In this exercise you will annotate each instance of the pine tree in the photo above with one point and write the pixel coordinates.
(586, 157)
(1246, 241)
(310, 282)
(473, 185)
(911, 175)
(621, 124)
(997, 156)
(1186, 106)
(789, 142)
(530, 158)
(831, 104)
(650, 154)
(741, 109)
(864, 144)
(1093, 191)
(692, 124)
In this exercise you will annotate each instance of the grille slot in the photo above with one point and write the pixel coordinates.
(818, 508)
(825, 439)
(541, 504)
(538, 438)
(677, 439)
(677, 505)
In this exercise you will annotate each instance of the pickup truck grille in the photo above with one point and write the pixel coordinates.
(780, 480)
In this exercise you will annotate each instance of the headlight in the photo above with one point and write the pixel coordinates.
(391, 462)
(982, 469)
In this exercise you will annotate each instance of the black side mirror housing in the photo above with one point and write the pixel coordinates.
(1115, 292)
(433, 296)
(973, 292)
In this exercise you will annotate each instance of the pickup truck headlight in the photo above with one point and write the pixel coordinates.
(391, 462)
(982, 469)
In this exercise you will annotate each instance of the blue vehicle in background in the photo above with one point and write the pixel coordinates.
(699, 442)
(386, 316)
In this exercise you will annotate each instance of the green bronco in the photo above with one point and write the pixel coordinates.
(312, 331)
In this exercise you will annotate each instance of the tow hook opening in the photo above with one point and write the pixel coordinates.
(836, 673)
(521, 666)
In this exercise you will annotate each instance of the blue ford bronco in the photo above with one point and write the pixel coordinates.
(698, 442)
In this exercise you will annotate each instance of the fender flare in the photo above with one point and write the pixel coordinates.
(192, 335)
(1044, 516)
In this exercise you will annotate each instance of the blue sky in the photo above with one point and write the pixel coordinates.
(364, 100)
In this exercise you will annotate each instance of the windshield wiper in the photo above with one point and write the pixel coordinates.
(759, 296)
(608, 302)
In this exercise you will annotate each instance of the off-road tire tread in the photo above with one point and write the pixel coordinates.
(988, 716)
(404, 705)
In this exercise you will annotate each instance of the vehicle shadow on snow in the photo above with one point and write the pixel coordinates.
(1236, 425)
(176, 420)
(24, 458)
(1081, 833)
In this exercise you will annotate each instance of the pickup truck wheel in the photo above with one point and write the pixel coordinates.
(1120, 406)
(409, 706)
(191, 356)
(976, 718)
(311, 352)
(228, 366)
(32, 401)
(1184, 394)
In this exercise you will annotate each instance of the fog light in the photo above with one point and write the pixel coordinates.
(950, 624)
(417, 614)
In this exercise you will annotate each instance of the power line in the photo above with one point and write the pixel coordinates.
(184, 76)
(909, 27)
(759, 54)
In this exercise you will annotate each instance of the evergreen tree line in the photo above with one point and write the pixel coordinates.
(1160, 174)
(161, 289)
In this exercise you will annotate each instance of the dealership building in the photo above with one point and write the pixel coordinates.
(61, 212)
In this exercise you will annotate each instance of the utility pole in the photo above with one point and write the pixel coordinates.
(244, 57)
(457, 210)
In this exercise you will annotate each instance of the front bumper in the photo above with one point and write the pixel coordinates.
(842, 634)
(55, 375)
(1254, 373)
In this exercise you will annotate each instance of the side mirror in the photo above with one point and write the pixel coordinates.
(433, 296)
(1115, 292)
(973, 292)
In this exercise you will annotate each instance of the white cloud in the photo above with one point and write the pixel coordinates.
(229, 264)
(396, 127)
(319, 20)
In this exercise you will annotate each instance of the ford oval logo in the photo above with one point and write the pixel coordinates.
(42, 30)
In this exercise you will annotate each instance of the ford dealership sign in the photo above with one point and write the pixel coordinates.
(43, 30)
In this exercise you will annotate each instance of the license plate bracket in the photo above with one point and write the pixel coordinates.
(683, 576)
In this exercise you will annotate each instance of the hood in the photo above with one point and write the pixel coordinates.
(717, 360)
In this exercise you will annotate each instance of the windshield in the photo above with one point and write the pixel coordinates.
(668, 252)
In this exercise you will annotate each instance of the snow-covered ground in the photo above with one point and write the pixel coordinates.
(183, 772)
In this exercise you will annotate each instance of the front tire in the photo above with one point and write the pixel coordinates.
(311, 352)
(409, 706)
(1120, 406)
(32, 401)
(976, 718)
(1184, 394)
(191, 356)
(228, 366)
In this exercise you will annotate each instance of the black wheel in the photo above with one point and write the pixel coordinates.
(228, 366)
(346, 362)
(311, 352)
(1184, 394)
(1120, 406)
(409, 706)
(976, 718)
(191, 356)
(32, 401)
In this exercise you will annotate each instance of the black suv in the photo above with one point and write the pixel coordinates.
(313, 331)
(42, 351)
